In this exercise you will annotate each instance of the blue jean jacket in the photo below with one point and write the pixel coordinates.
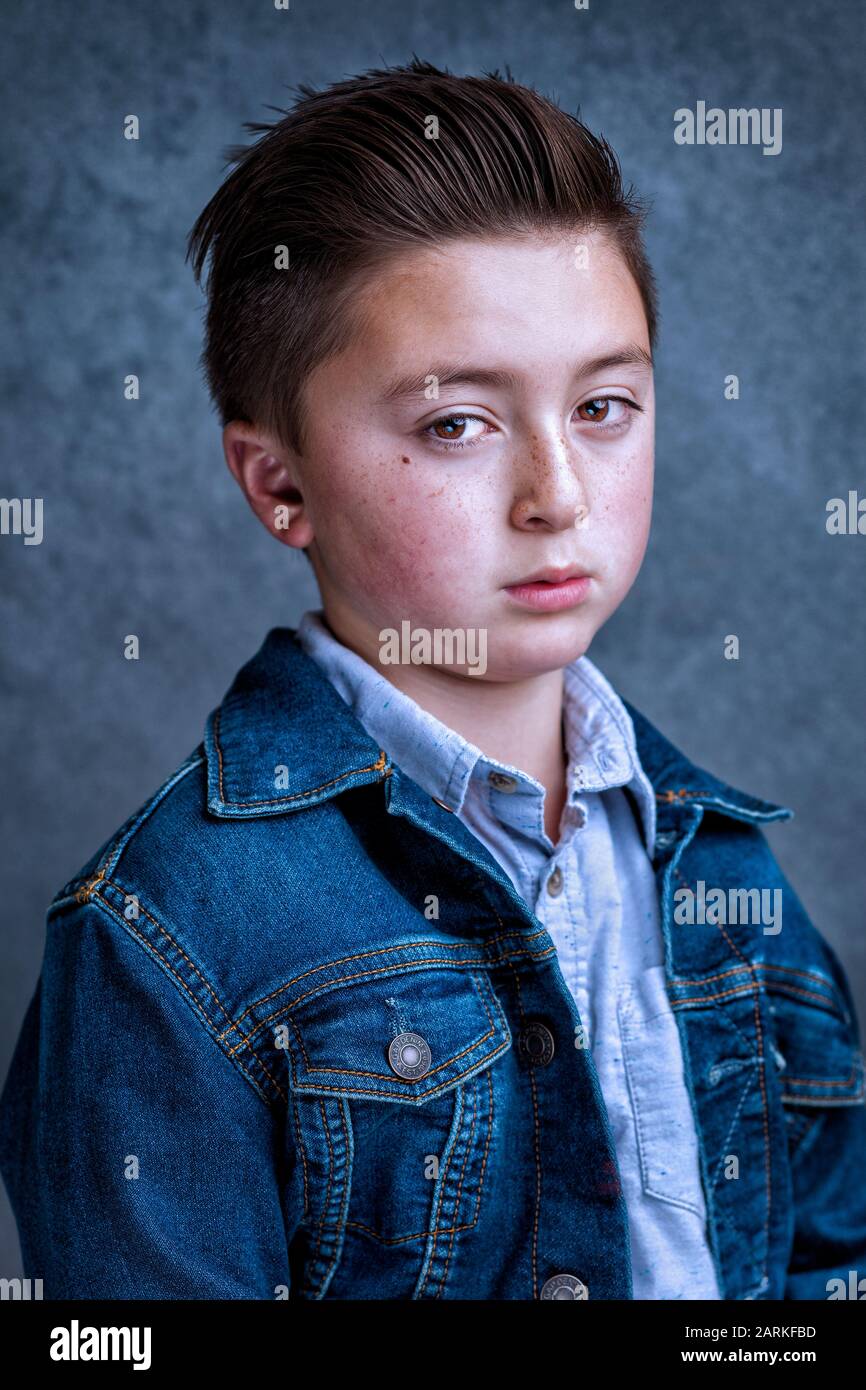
(296, 1036)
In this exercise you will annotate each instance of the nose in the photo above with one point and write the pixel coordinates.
(550, 490)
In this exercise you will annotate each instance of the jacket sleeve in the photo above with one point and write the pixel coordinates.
(828, 1257)
(139, 1160)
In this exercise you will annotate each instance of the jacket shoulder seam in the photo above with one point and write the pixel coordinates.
(195, 989)
(78, 889)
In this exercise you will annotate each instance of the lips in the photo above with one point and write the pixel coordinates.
(550, 576)
(551, 590)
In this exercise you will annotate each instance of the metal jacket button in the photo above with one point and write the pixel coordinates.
(409, 1055)
(501, 782)
(536, 1044)
(565, 1286)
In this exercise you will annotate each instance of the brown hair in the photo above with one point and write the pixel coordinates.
(346, 179)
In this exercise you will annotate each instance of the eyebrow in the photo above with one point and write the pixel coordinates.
(460, 374)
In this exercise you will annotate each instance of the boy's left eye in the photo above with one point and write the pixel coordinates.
(600, 406)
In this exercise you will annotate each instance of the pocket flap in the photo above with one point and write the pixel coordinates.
(338, 1042)
(818, 1060)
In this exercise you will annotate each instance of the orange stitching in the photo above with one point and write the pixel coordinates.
(489, 1079)
(84, 894)
(339, 1226)
(410, 1081)
(745, 989)
(810, 1081)
(467, 1150)
(756, 965)
(466, 1153)
(125, 922)
(377, 766)
(419, 1235)
(177, 947)
(442, 1230)
(759, 1038)
(207, 986)
(360, 1091)
(678, 795)
(383, 950)
(460, 1096)
(385, 970)
(194, 968)
(327, 1189)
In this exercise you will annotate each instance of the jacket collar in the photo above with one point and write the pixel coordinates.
(283, 739)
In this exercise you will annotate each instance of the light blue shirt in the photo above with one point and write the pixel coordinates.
(595, 893)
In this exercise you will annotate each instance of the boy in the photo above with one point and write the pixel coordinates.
(435, 971)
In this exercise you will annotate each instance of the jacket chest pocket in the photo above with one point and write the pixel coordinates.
(392, 1080)
(818, 1063)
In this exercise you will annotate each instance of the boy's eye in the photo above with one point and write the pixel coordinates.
(599, 409)
(453, 431)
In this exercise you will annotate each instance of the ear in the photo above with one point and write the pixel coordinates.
(269, 478)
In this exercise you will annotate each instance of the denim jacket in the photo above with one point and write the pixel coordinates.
(297, 1036)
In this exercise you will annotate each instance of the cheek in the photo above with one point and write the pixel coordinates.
(625, 506)
(623, 516)
(394, 528)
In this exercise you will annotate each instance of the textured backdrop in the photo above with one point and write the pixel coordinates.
(760, 262)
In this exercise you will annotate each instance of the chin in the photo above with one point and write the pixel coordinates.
(539, 647)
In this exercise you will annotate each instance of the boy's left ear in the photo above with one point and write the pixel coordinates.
(268, 478)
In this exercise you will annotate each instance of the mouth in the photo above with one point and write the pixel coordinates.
(549, 590)
(551, 576)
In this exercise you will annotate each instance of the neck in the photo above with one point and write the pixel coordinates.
(513, 722)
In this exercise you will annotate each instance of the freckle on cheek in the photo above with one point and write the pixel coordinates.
(405, 459)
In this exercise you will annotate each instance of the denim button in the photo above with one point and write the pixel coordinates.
(564, 1286)
(501, 782)
(555, 882)
(536, 1044)
(409, 1055)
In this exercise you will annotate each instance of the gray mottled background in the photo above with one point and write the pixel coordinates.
(760, 261)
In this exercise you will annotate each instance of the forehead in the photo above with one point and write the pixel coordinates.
(530, 296)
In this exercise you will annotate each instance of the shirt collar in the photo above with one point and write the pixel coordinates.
(599, 735)
(282, 740)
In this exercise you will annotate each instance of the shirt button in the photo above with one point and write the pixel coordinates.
(564, 1286)
(501, 782)
(536, 1044)
(555, 882)
(409, 1055)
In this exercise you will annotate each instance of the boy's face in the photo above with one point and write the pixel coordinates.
(428, 509)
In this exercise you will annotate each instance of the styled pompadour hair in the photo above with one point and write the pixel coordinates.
(347, 178)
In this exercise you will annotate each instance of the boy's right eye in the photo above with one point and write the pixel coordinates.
(450, 431)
